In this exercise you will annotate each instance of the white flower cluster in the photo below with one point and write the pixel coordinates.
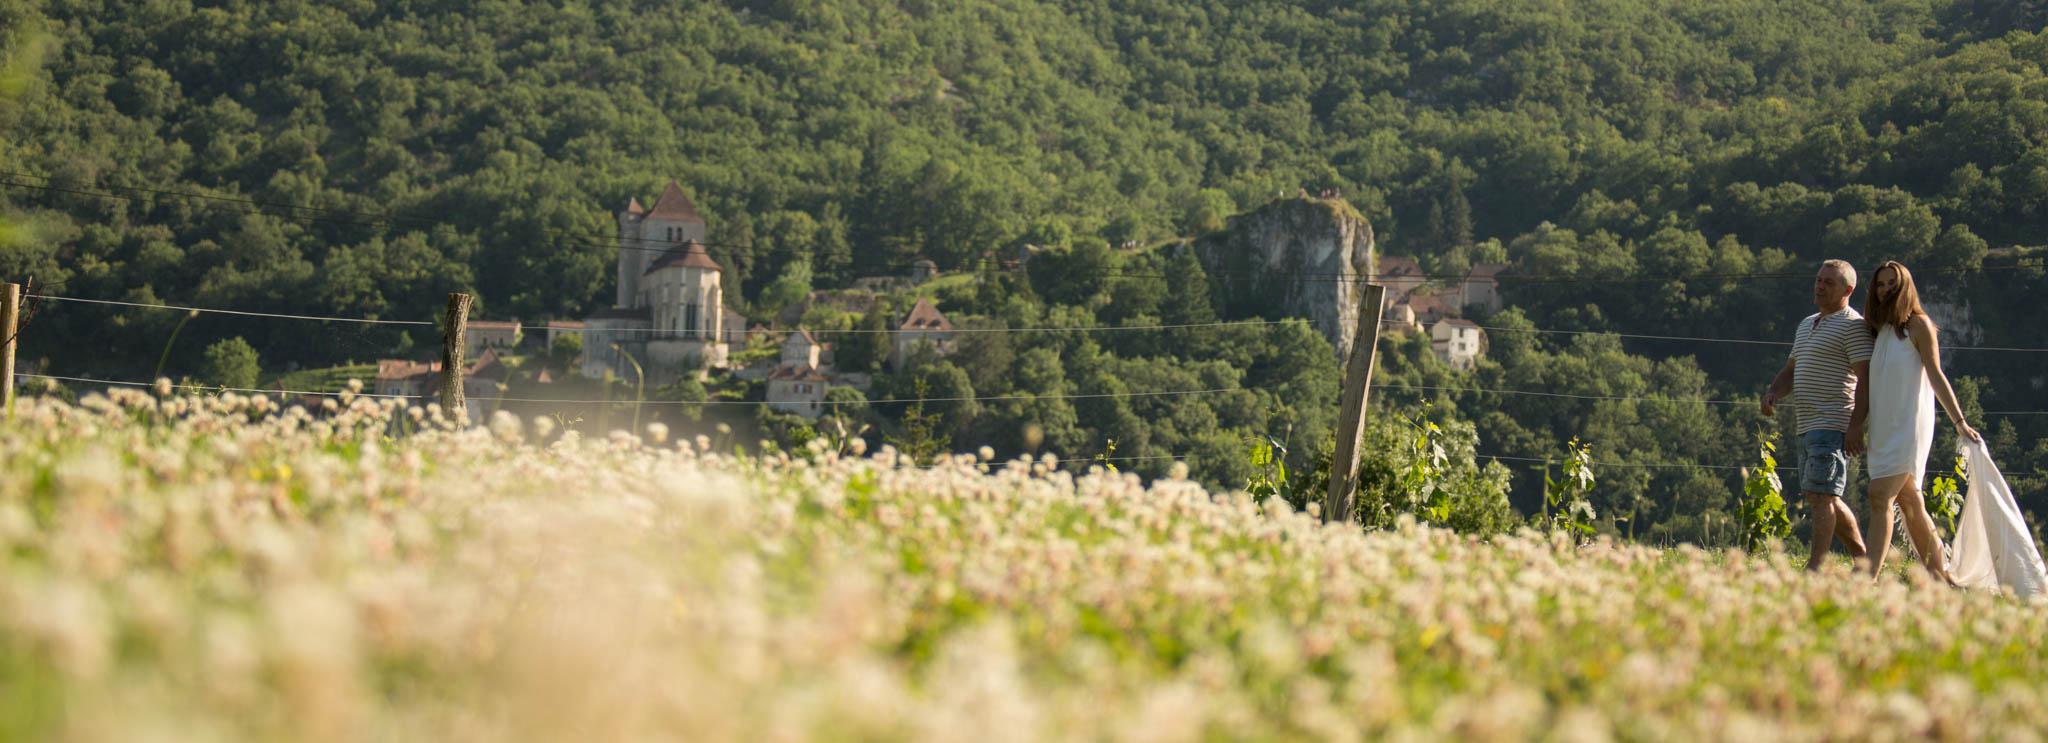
(235, 567)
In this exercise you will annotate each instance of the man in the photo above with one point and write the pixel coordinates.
(1826, 377)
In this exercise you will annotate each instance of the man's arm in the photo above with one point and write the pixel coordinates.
(1778, 389)
(1853, 441)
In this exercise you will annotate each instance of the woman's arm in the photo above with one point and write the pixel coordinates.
(1930, 357)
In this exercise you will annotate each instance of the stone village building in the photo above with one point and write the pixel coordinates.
(924, 325)
(799, 380)
(1412, 305)
(483, 382)
(670, 313)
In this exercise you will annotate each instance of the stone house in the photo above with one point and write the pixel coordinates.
(798, 389)
(1481, 287)
(924, 325)
(799, 381)
(481, 334)
(1458, 342)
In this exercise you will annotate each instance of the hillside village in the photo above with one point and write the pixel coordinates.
(1414, 304)
(672, 319)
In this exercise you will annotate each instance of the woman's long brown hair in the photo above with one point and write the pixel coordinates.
(1900, 309)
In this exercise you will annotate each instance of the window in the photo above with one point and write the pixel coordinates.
(690, 320)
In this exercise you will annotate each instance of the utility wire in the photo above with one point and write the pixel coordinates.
(241, 313)
(1698, 339)
(756, 403)
(545, 328)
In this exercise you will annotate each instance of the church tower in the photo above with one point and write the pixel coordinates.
(645, 234)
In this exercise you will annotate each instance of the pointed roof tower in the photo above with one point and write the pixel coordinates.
(674, 205)
(926, 316)
(634, 208)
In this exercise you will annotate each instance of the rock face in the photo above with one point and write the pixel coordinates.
(1297, 257)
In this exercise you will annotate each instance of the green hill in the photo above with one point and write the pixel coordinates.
(1644, 150)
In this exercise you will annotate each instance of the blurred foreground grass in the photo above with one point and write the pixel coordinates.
(218, 569)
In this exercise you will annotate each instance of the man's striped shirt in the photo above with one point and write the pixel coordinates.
(1823, 386)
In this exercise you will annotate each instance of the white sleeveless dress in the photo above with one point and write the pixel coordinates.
(1901, 419)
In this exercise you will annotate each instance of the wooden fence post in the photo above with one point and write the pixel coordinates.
(1351, 416)
(455, 326)
(10, 325)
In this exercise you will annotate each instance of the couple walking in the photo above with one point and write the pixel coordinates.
(1876, 372)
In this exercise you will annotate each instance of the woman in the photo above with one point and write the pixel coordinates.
(1905, 382)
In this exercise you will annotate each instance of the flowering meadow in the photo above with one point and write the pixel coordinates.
(186, 568)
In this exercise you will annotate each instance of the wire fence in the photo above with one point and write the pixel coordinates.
(836, 404)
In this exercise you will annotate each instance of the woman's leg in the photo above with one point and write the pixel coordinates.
(1920, 528)
(1883, 491)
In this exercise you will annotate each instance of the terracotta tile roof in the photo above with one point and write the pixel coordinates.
(925, 316)
(397, 369)
(486, 365)
(512, 324)
(1459, 323)
(565, 324)
(691, 255)
(675, 206)
(1429, 307)
(797, 373)
(634, 208)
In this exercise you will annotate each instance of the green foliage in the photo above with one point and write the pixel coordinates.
(791, 287)
(918, 436)
(1106, 459)
(566, 351)
(1945, 499)
(1268, 479)
(1567, 502)
(685, 388)
(1762, 511)
(1656, 145)
(1429, 471)
(231, 363)
(865, 350)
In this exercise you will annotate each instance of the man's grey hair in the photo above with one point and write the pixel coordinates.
(1848, 271)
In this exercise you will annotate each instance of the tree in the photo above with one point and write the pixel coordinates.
(867, 349)
(1187, 297)
(564, 352)
(1207, 211)
(231, 363)
(793, 286)
(1076, 275)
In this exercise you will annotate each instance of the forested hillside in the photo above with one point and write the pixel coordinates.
(1647, 167)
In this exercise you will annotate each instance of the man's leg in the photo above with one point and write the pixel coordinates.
(1846, 529)
(1822, 506)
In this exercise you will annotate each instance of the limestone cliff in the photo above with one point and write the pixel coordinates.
(1297, 257)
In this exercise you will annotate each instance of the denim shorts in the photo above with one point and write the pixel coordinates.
(1823, 466)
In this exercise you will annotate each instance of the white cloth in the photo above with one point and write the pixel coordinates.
(1993, 547)
(1901, 420)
